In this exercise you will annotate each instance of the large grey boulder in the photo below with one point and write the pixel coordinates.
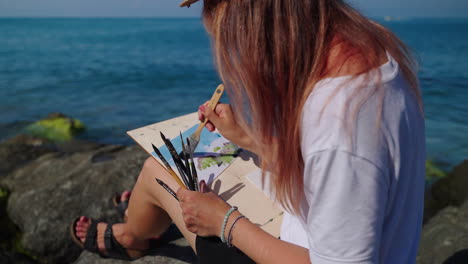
(90, 258)
(7, 257)
(444, 238)
(22, 149)
(452, 190)
(14, 155)
(48, 193)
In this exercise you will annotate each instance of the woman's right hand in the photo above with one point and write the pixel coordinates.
(223, 119)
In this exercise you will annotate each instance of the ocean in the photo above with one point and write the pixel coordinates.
(119, 74)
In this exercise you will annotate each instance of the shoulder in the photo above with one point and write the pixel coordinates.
(358, 115)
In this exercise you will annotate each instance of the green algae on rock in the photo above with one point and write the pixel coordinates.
(433, 173)
(11, 248)
(9, 232)
(56, 127)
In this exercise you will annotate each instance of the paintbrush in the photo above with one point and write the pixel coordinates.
(187, 3)
(195, 137)
(167, 188)
(194, 169)
(186, 161)
(168, 167)
(180, 166)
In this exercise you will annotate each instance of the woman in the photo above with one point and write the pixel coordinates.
(332, 101)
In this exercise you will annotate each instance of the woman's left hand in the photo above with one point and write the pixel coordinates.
(203, 212)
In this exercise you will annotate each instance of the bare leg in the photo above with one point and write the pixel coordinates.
(152, 208)
(150, 211)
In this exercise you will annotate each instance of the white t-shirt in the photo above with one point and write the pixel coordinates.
(363, 198)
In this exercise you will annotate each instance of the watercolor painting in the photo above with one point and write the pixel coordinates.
(212, 156)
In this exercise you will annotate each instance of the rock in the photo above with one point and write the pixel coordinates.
(444, 238)
(15, 258)
(24, 139)
(55, 133)
(449, 191)
(8, 231)
(53, 178)
(49, 192)
(90, 258)
(56, 127)
(14, 155)
(433, 173)
(460, 257)
(21, 149)
(76, 145)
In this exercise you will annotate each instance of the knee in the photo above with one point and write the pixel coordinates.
(150, 164)
(150, 169)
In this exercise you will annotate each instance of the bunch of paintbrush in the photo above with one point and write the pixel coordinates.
(183, 161)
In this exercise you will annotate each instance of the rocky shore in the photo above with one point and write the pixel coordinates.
(45, 184)
(50, 183)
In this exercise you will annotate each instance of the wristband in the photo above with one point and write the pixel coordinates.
(229, 240)
(226, 217)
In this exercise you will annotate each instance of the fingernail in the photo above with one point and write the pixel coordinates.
(202, 108)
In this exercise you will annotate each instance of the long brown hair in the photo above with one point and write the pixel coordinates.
(271, 53)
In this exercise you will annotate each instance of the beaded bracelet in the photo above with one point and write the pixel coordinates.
(229, 240)
(226, 217)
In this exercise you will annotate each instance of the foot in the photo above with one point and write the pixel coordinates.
(135, 248)
(124, 197)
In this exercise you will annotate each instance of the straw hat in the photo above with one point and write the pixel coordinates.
(187, 3)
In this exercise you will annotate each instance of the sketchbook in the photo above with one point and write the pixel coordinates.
(230, 172)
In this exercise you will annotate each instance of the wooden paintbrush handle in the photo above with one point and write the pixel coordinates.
(216, 96)
(211, 104)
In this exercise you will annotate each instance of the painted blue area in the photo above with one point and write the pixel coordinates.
(206, 138)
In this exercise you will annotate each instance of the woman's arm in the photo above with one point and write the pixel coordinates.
(204, 213)
(263, 247)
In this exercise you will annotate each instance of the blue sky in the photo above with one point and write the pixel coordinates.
(157, 8)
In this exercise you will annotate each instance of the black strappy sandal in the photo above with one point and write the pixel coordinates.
(113, 248)
(120, 206)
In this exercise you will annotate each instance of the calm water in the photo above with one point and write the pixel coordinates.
(120, 74)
